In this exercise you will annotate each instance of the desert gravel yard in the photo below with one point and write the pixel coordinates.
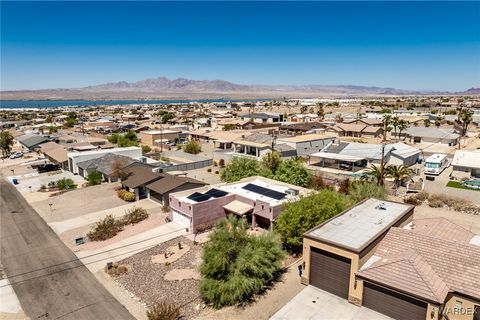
(147, 272)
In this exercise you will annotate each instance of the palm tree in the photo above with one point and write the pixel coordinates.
(395, 121)
(374, 173)
(398, 173)
(387, 120)
(402, 126)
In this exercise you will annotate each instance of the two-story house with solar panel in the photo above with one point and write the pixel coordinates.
(257, 199)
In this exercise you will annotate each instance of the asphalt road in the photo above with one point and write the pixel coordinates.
(48, 279)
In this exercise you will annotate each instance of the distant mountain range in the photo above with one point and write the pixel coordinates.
(163, 87)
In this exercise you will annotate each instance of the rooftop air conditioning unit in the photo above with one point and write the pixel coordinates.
(292, 192)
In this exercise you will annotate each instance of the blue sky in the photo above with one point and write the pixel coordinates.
(407, 45)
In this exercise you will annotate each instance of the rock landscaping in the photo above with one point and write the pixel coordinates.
(173, 281)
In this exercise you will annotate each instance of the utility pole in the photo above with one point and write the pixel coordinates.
(382, 165)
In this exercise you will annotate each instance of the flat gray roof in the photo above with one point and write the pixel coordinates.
(361, 224)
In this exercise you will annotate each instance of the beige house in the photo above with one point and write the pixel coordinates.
(374, 256)
(156, 137)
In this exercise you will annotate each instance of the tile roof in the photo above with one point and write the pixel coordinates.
(456, 263)
(139, 175)
(441, 228)
(168, 183)
(408, 272)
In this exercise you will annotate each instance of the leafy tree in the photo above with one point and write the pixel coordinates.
(294, 172)
(167, 117)
(238, 169)
(298, 217)
(6, 142)
(94, 178)
(271, 161)
(303, 109)
(236, 265)
(320, 111)
(426, 123)
(192, 147)
(229, 126)
(71, 119)
(128, 139)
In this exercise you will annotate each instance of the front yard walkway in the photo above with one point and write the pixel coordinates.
(313, 303)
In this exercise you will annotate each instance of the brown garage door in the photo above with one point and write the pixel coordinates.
(330, 272)
(393, 304)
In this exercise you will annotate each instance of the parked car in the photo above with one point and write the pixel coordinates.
(16, 155)
(48, 167)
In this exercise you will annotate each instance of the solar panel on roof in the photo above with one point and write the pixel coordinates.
(198, 197)
(264, 191)
(216, 193)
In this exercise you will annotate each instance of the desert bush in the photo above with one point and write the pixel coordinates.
(221, 163)
(134, 216)
(344, 186)
(164, 311)
(94, 178)
(105, 229)
(117, 269)
(126, 195)
(316, 183)
(237, 265)
(209, 170)
(52, 184)
(43, 187)
(421, 196)
(360, 190)
(412, 200)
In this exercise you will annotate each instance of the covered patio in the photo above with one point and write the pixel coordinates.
(337, 161)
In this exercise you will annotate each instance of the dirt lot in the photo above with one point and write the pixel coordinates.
(79, 202)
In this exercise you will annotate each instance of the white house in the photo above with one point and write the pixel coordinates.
(466, 163)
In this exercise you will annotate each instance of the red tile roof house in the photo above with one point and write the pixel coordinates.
(257, 199)
(375, 256)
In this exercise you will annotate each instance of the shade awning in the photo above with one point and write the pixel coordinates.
(238, 207)
(336, 156)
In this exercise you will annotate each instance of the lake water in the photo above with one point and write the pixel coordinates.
(40, 104)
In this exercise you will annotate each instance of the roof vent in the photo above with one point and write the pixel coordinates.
(381, 206)
(292, 192)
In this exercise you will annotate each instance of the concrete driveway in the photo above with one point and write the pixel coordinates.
(315, 304)
(35, 180)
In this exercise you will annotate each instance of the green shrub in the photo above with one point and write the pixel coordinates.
(236, 265)
(361, 190)
(105, 229)
(238, 169)
(126, 195)
(316, 183)
(94, 178)
(192, 147)
(135, 215)
(294, 172)
(344, 186)
(164, 311)
(65, 184)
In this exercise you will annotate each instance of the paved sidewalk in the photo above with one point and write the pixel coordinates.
(313, 303)
(97, 259)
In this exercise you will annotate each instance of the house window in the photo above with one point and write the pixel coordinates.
(263, 207)
(179, 204)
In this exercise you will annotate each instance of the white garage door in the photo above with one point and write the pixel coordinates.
(180, 219)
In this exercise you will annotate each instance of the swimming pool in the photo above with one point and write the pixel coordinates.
(474, 184)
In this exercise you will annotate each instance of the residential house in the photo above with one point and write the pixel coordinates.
(262, 117)
(30, 141)
(356, 130)
(258, 145)
(433, 135)
(466, 164)
(430, 269)
(307, 143)
(55, 153)
(74, 158)
(157, 137)
(104, 165)
(257, 199)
